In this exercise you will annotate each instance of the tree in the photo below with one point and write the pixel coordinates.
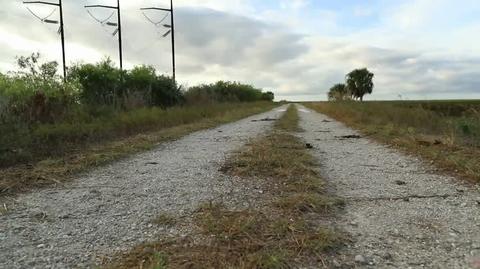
(359, 83)
(339, 92)
(268, 96)
(30, 67)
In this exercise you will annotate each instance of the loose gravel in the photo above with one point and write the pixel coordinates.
(400, 212)
(110, 209)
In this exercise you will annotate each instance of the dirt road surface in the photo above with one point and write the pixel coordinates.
(400, 212)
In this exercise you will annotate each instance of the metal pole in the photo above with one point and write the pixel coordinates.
(120, 47)
(62, 33)
(120, 52)
(120, 35)
(173, 41)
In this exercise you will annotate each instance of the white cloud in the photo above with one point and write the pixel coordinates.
(294, 4)
(298, 55)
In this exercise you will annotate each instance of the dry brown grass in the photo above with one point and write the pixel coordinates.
(22, 178)
(414, 130)
(283, 233)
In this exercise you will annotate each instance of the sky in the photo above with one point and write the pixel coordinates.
(417, 49)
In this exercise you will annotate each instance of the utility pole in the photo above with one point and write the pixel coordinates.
(173, 41)
(118, 24)
(62, 34)
(61, 30)
(120, 46)
(118, 31)
(171, 31)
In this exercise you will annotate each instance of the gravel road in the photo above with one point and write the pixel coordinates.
(399, 212)
(110, 209)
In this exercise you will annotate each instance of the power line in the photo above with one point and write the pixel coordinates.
(102, 22)
(46, 19)
(170, 27)
(106, 21)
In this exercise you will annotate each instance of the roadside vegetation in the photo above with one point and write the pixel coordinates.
(445, 132)
(284, 231)
(101, 113)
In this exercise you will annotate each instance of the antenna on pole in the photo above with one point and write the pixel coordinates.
(170, 28)
(106, 22)
(47, 19)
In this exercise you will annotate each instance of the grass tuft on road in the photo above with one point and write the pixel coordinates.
(283, 232)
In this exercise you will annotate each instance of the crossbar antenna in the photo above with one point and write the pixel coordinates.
(170, 28)
(107, 22)
(61, 31)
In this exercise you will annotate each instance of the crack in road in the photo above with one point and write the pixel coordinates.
(386, 198)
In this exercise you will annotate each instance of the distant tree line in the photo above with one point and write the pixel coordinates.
(222, 91)
(358, 83)
(36, 93)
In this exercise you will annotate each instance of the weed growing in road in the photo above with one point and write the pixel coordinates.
(289, 121)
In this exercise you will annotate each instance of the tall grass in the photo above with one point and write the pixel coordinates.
(462, 128)
(20, 143)
(448, 132)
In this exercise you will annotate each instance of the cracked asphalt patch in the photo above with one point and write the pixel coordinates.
(399, 213)
(110, 209)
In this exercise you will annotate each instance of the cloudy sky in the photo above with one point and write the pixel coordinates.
(418, 49)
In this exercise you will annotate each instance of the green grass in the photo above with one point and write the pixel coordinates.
(445, 132)
(283, 233)
(106, 141)
(289, 121)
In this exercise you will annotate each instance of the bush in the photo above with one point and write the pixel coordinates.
(268, 96)
(3, 98)
(100, 82)
(35, 93)
(104, 84)
(161, 91)
(226, 92)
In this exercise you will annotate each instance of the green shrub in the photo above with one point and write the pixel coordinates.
(104, 84)
(100, 82)
(226, 92)
(165, 93)
(154, 90)
(35, 93)
(268, 96)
